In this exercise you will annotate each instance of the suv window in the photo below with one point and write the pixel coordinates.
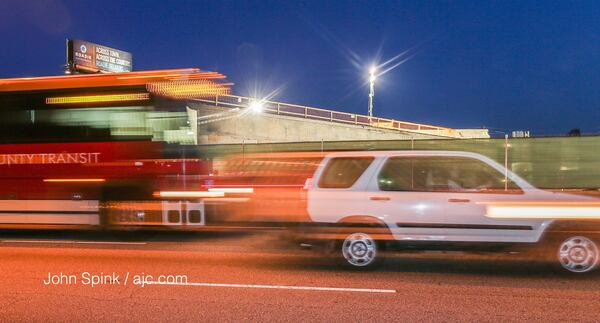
(453, 174)
(343, 172)
(396, 175)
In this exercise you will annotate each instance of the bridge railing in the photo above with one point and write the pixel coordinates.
(332, 116)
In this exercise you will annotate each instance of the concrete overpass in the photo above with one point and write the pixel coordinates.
(228, 119)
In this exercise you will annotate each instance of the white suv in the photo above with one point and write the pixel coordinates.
(433, 199)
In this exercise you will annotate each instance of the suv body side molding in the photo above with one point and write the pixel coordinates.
(465, 226)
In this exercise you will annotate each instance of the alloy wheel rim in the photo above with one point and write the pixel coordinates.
(578, 254)
(359, 249)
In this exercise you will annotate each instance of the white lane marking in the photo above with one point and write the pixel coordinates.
(74, 242)
(36, 241)
(110, 242)
(312, 288)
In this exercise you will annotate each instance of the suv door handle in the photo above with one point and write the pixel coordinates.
(459, 200)
(379, 198)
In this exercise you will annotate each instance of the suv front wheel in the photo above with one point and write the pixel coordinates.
(577, 254)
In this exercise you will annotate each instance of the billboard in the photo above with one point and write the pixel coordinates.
(84, 56)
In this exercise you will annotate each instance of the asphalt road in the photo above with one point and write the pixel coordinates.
(252, 277)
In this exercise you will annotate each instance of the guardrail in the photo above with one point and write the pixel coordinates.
(332, 116)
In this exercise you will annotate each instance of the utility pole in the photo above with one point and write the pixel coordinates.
(506, 145)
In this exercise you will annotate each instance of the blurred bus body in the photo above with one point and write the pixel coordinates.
(101, 150)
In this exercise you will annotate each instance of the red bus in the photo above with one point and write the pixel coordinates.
(104, 150)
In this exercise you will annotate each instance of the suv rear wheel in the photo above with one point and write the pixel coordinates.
(359, 242)
(360, 250)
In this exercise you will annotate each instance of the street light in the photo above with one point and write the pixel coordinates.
(256, 106)
(371, 89)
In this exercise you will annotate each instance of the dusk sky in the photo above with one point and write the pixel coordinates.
(503, 65)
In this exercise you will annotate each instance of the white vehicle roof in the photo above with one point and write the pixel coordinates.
(387, 153)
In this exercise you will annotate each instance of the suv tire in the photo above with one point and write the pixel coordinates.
(573, 253)
(359, 250)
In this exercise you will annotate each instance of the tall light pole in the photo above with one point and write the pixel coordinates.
(371, 89)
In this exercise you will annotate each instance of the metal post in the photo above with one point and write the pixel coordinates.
(371, 90)
(183, 166)
(506, 162)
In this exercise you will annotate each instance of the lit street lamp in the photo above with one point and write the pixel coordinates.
(372, 89)
(256, 106)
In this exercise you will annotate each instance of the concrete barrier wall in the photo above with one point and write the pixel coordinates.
(270, 128)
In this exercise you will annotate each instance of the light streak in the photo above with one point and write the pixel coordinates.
(543, 212)
(98, 98)
(190, 194)
(189, 89)
(232, 189)
(74, 180)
